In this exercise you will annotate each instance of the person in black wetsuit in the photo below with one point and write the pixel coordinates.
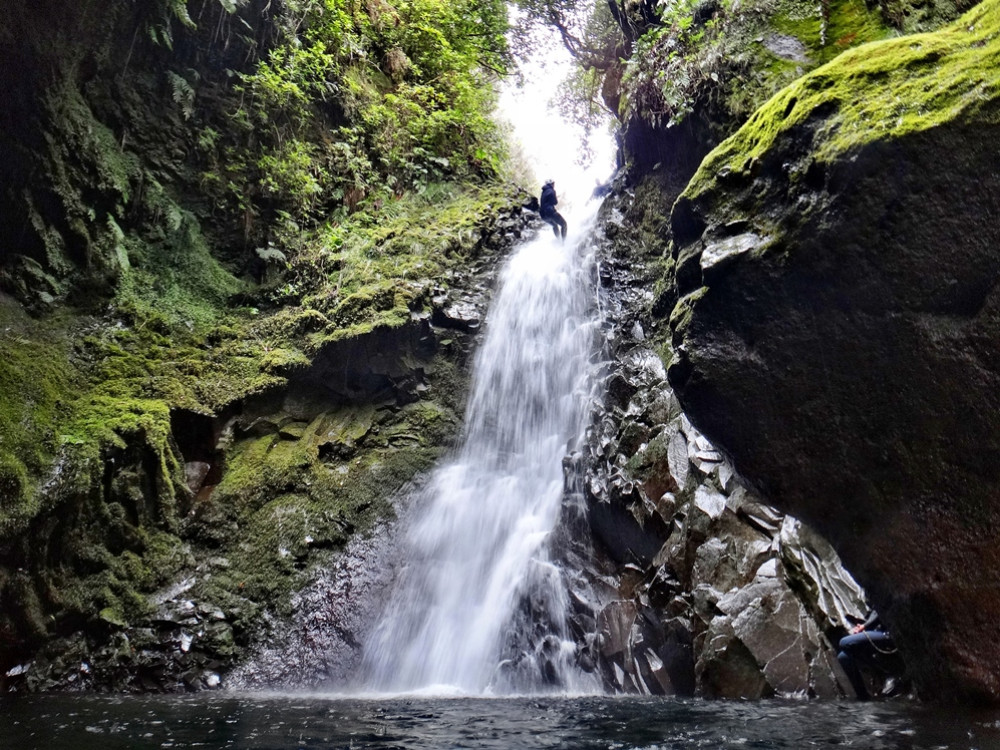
(548, 209)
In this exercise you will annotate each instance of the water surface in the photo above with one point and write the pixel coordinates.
(277, 722)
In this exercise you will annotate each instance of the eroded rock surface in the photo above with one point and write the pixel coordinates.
(838, 326)
(700, 587)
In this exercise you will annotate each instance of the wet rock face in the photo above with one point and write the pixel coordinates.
(838, 336)
(183, 645)
(322, 641)
(269, 490)
(735, 601)
(701, 589)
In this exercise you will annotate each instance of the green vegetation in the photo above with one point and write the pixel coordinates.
(729, 57)
(307, 488)
(362, 274)
(915, 16)
(910, 84)
(116, 393)
(36, 384)
(229, 197)
(358, 104)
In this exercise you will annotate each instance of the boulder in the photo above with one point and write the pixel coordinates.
(837, 334)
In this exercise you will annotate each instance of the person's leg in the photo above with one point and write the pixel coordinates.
(869, 646)
(549, 217)
(884, 657)
(562, 224)
(852, 653)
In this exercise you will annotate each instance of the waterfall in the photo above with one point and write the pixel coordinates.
(480, 605)
(475, 546)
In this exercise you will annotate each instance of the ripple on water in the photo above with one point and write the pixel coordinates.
(272, 722)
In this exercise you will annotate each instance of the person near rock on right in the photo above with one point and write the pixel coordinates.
(869, 645)
(548, 209)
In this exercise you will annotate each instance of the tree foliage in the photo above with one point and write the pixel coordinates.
(587, 28)
(660, 60)
(359, 100)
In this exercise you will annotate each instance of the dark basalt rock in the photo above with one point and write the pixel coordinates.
(700, 588)
(843, 350)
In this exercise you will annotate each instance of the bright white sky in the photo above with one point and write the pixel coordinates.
(552, 144)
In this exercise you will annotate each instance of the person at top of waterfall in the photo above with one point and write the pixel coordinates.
(548, 209)
(868, 645)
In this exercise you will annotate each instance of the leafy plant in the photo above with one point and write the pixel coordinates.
(183, 93)
(357, 103)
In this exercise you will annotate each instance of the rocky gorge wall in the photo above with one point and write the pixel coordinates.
(835, 331)
(209, 381)
(684, 582)
(703, 589)
(204, 426)
(122, 596)
(828, 279)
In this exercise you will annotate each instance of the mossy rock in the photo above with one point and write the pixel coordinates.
(910, 84)
(126, 203)
(836, 334)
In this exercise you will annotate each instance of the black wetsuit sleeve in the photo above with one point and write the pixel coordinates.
(872, 622)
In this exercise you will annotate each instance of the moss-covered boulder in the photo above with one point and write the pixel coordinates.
(701, 67)
(838, 332)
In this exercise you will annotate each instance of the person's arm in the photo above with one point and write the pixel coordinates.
(870, 623)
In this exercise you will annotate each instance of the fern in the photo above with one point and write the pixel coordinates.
(183, 93)
(175, 216)
(161, 35)
(180, 10)
(271, 254)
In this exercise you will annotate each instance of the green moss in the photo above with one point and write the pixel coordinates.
(156, 561)
(24, 613)
(401, 245)
(307, 487)
(105, 596)
(283, 361)
(680, 316)
(111, 616)
(171, 274)
(723, 67)
(846, 24)
(113, 587)
(346, 427)
(653, 455)
(424, 423)
(84, 139)
(37, 386)
(379, 303)
(915, 16)
(307, 507)
(880, 91)
(823, 36)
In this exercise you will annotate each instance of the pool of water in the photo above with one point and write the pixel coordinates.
(276, 722)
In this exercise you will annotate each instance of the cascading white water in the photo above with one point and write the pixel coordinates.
(478, 589)
(477, 542)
